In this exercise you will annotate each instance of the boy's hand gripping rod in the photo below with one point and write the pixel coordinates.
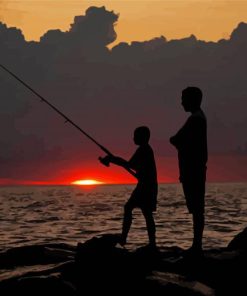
(66, 119)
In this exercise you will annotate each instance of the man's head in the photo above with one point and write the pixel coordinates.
(141, 135)
(191, 98)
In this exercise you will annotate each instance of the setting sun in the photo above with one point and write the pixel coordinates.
(87, 182)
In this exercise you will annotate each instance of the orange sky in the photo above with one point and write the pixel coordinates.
(220, 169)
(139, 20)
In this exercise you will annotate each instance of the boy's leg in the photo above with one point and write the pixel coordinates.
(127, 220)
(148, 215)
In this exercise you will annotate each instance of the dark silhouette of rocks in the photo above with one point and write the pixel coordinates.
(239, 242)
(34, 255)
(100, 265)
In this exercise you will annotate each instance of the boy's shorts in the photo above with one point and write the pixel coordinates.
(143, 198)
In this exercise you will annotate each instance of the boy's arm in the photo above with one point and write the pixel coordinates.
(128, 165)
(119, 161)
(116, 160)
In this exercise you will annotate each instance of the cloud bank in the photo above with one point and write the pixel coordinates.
(110, 92)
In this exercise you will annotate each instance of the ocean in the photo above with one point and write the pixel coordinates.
(73, 214)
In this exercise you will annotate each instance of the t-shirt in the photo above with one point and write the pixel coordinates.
(143, 163)
(191, 142)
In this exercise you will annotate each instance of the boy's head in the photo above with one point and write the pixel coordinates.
(141, 135)
(191, 98)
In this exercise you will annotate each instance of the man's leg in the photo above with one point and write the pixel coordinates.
(198, 213)
(198, 227)
(194, 196)
(148, 215)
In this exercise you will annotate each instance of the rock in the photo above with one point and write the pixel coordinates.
(175, 284)
(41, 285)
(99, 261)
(37, 254)
(239, 242)
(100, 265)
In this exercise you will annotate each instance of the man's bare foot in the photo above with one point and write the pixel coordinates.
(193, 252)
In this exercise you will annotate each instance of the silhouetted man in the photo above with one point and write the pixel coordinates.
(144, 195)
(191, 143)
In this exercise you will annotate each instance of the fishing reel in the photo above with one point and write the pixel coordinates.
(105, 160)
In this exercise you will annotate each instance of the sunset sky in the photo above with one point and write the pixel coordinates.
(110, 92)
(139, 20)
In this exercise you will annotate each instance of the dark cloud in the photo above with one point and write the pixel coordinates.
(110, 92)
(95, 28)
(241, 150)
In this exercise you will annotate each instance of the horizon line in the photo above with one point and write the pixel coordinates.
(110, 184)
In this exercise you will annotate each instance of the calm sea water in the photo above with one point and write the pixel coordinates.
(33, 215)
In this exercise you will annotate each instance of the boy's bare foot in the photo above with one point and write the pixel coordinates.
(122, 240)
(152, 247)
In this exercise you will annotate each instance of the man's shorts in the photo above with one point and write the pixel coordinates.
(194, 193)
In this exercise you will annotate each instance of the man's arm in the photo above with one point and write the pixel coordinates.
(178, 139)
(187, 134)
(173, 141)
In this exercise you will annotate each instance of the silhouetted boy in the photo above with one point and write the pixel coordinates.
(191, 143)
(144, 195)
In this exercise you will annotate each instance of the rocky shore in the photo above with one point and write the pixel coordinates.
(100, 265)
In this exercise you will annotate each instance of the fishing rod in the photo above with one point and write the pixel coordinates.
(102, 160)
